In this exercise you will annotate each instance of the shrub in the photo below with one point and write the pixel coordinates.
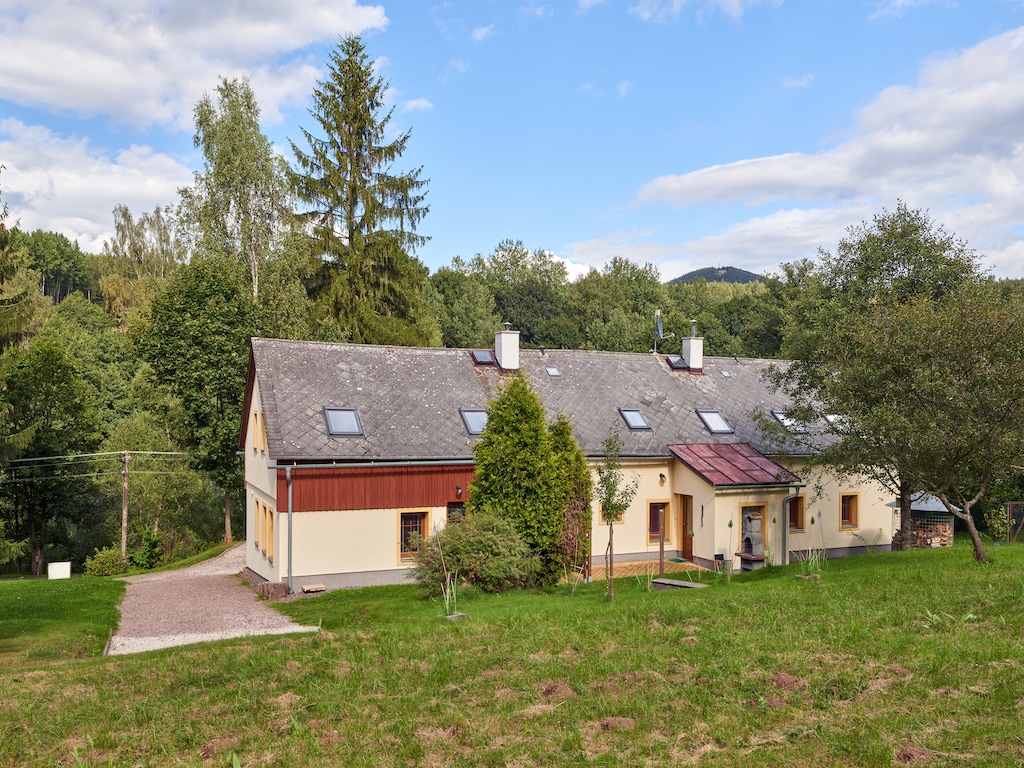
(148, 556)
(997, 521)
(106, 562)
(482, 550)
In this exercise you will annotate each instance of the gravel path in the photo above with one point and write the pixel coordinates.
(204, 602)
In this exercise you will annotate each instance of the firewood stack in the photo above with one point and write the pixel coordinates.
(928, 533)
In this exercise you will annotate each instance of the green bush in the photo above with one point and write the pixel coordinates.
(148, 556)
(481, 550)
(106, 562)
(997, 523)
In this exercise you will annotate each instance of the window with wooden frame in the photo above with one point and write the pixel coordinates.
(263, 528)
(255, 431)
(658, 515)
(795, 513)
(262, 433)
(256, 522)
(270, 534)
(849, 512)
(601, 517)
(412, 530)
(456, 512)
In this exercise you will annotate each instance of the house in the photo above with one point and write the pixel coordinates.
(352, 449)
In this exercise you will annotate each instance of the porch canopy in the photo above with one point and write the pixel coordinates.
(732, 464)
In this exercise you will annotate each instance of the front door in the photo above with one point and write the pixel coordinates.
(685, 507)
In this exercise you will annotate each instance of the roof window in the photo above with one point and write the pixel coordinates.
(483, 356)
(676, 363)
(552, 371)
(726, 374)
(714, 421)
(791, 424)
(343, 422)
(475, 419)
(634, 420)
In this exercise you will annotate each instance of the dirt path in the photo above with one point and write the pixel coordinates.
(204, 602)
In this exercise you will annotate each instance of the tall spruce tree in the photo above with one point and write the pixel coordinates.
(362, 212)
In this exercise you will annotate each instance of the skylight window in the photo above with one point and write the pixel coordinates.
(836, 421)
(715, 422)
(343, 422)
(791, 424)
(634, 419)
(677, 363)
(726, 375)
(475, 419)
(552, 371)
(483, 357)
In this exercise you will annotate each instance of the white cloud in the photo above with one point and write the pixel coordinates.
(68, 186)
(798, 82)
(482, 33)
(416, 104)
(624, 87)
(586, 5)
(950, 143)
(667, 10)
(146, 62)
(897, 7)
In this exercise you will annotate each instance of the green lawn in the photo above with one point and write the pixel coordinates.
(887, 659)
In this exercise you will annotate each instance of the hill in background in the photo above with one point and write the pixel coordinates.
(719, 275)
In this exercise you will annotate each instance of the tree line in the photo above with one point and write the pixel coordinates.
(142, 348)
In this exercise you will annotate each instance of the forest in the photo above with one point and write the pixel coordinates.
(123, 371)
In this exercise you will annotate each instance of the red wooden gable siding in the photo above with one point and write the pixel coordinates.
(340, 488)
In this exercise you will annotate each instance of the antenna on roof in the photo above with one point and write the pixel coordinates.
(659, 331)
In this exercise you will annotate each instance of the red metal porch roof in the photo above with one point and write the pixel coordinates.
(732, 464)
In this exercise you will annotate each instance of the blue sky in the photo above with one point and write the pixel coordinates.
(684, 133)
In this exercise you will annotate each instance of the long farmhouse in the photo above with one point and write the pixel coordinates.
(351, 449)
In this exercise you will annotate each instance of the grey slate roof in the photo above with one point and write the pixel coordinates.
(408, 399)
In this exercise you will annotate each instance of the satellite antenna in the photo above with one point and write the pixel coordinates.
(659, 331)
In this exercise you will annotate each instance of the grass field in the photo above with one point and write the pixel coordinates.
(888, 659)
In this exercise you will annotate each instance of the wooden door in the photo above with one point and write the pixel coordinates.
(685, 507)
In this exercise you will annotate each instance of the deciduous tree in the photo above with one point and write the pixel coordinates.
(900, 257)
(197, 341)
(614, 493)
(239, 204)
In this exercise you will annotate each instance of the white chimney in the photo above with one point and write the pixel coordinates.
(693, 350)
(506, 348)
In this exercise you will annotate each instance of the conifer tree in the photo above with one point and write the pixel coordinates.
(576, 485)
(362, 213)
(516, 473)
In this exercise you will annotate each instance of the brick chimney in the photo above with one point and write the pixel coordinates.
(506, 348)
(693, 350)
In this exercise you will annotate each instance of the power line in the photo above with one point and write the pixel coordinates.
(72, 456)
(7, 480)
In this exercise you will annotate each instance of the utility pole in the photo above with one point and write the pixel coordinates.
(125, 458)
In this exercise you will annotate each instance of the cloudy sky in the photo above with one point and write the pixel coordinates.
(685, 133)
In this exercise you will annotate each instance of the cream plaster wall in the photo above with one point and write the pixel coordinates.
(631, 534)
(260, 488)
(348, 541)
(822, 497)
